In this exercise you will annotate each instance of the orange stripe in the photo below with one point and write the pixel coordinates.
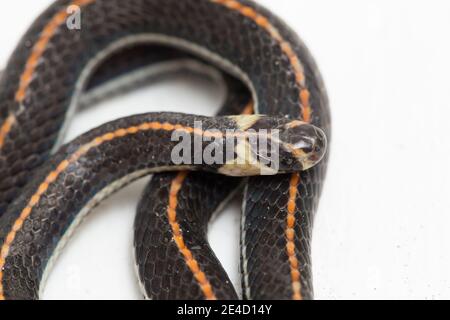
(306, 112)
(6, 128)
(192, 264)
(249, 109)
(41, 45)
(30, 66)
(264, 23)
(176, 230)
(51, 178)
(25, 80)
(290, 236)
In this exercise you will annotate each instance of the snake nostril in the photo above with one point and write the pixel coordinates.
(314, 157)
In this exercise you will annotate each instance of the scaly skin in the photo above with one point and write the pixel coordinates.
(39, 83)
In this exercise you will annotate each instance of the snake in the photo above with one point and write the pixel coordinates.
(47, 189)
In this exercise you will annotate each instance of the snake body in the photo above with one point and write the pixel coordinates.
(43, 83)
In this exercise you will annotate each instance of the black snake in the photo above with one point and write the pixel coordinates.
(44, 195)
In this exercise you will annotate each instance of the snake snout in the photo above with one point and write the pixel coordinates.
(307, 143)
(319, 147)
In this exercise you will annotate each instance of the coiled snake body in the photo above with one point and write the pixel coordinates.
(43, 196)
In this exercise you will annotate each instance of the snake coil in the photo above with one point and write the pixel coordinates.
(44, 196)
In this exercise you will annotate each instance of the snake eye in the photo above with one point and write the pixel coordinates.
(318, 147)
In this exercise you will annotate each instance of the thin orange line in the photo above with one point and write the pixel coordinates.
(30, 66)
(191, 262)
(177, 183)
(306, 112)
(26, 77)
(41, 45)
(290, 235)
(264, 23)
(249, 109)
(51, 178)
(6, 128)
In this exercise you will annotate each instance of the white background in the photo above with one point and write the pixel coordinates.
(383, 229)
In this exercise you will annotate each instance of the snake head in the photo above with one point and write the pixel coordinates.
(303, 146)
(272, 145)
